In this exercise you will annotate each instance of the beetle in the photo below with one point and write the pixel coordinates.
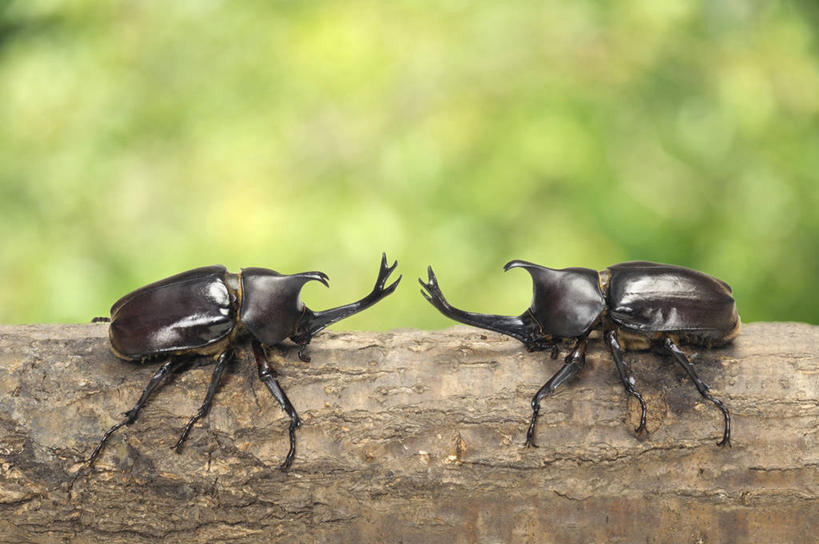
(637, 304)
(209, 311)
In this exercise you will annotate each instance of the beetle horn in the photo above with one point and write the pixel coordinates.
(314, 275)
(313, 322)
(521, 264)
(540, 274)
(520, 327)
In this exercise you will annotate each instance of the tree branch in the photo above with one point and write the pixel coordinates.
(410, 436)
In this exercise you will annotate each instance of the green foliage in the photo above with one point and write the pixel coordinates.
(139, 139)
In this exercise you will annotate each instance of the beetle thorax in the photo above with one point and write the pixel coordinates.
(566, 303)
(270, 305)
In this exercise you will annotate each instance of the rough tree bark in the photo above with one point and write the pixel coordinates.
(411, 436)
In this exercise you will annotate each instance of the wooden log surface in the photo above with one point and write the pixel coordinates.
(411, 436)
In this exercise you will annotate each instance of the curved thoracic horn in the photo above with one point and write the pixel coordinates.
(522, 264)
(314, 275)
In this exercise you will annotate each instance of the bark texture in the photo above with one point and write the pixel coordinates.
(411, 436)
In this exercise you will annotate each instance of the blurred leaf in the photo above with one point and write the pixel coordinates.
(139, 139)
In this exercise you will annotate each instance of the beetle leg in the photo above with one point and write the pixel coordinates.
(268, 376)
(702, 387)
(573, 364)
(617, 354)
(313, 322)
(131, 415)
(523, 328)
(302, 348)
(221, 365)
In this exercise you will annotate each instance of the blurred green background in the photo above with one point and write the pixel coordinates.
(142, 138)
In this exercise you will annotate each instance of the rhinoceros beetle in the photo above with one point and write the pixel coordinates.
(638, 305)
(208, 311)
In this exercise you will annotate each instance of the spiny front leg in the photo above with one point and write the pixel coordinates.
(268, 377)
(573, 364)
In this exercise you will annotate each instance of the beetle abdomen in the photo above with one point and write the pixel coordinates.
(651, 298)
(188, 312)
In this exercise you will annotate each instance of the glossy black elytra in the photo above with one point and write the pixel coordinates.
(637, 304)
(208, 311)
